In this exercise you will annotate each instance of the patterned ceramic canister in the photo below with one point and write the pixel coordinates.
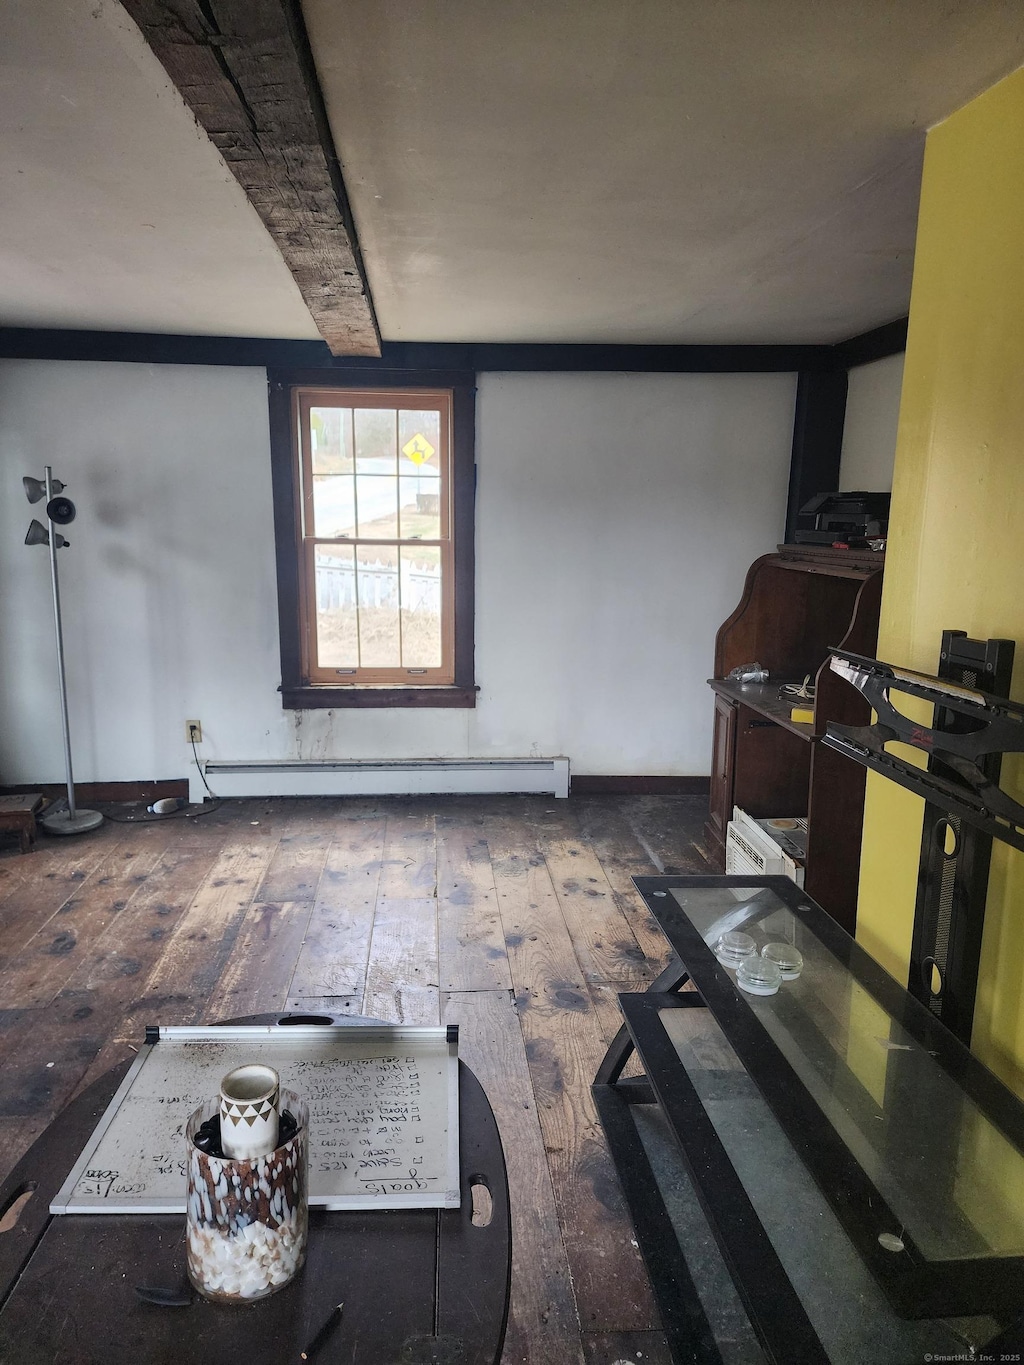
(250, 1104)
(246, 1221)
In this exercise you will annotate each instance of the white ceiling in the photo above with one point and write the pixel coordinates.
(531, 170)
(116, 211)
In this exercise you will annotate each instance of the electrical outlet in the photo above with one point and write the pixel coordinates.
(193, 732)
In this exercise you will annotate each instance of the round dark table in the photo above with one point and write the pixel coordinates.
(420, 1286)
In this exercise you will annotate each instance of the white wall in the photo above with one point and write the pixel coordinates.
(869, 435)
(616, 516)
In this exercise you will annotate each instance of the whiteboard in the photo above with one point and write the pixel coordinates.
(383, 1125)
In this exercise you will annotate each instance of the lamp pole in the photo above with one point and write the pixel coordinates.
(58, 631)
(72, 820)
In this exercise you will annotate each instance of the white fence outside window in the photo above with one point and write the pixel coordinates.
(416, 586)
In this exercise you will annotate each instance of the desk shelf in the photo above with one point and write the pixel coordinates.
(764, 699)
(796, 606)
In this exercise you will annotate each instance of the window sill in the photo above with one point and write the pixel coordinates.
(323, 698)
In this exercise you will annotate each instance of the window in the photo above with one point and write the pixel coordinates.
(373, 499)
(376, 579)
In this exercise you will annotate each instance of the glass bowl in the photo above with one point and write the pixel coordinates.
(788, 959)
(734, 948)
(758, 976)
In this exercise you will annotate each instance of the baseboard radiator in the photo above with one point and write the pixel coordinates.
(393, 777)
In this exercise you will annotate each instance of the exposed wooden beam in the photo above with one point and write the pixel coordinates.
(245, 70)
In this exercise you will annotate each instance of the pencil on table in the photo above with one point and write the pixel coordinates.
(311, 1351)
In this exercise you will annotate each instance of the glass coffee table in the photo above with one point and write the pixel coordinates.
(818, 1173)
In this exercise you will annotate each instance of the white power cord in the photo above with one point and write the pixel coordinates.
(804, 690)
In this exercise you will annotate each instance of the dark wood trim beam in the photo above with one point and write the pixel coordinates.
(355, 376)
(464, 530)
(817, 439)
(548, 356)
(245, 70)
(874, 345)
(159, 348)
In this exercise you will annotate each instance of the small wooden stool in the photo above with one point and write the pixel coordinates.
(18, 814)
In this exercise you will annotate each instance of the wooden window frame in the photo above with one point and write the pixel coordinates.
(304, 399)
(300, 690)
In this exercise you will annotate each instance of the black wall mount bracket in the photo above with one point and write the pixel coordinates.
(987, 725)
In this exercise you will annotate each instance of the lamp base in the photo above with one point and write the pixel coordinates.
(63, 822)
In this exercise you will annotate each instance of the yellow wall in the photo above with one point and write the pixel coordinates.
(956, 552)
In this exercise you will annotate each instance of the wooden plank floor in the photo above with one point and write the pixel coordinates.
(513, 916)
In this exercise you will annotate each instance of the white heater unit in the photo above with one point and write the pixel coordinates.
(765, 848)
(398, 777)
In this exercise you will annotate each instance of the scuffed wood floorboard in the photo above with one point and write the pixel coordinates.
(564, 1047)
(513, 916)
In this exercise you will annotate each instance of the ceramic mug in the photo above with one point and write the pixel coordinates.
(250, 1104)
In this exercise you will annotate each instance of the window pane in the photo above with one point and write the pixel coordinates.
(420, 511)
(376, 446)
(330, 439)
(419, 443)
(377, 577)
(376, 506)
(336, 625)
(334, 509)
(421, 607)
(377, 496)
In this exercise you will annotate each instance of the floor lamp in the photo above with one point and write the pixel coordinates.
(59, 511)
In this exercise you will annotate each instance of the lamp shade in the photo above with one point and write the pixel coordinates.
(35, 489)
(60, 510)
(37, 534)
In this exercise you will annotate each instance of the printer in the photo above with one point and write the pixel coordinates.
(850, 518)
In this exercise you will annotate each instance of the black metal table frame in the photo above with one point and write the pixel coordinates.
(915, 1286)
(776, 1314)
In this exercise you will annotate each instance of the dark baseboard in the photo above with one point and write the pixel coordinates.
(105, 791)
(588, 784)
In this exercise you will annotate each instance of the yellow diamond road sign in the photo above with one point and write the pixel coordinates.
(419, 449)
